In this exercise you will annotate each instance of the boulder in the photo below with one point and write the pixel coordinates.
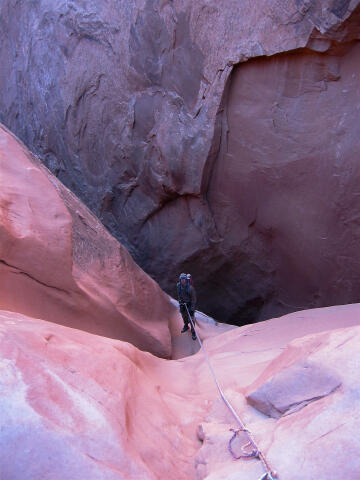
(294, 388)
(318, 437)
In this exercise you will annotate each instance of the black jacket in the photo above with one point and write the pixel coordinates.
(187, 295)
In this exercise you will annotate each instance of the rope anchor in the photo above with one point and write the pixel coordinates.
(254, 452)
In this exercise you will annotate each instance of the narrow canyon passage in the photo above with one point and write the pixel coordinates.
(141, 139)
(217, 138)
(78, 403)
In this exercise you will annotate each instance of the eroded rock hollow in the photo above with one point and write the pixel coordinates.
(213, 137)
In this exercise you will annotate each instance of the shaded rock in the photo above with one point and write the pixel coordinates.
(57, 261)
(190, 155)
(283, 186)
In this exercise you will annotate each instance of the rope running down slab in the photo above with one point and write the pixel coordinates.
(255, 453)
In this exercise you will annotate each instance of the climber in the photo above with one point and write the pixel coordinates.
(187, 298)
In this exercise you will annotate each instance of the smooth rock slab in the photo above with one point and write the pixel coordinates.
(78, 406)
(58, 262)
(317, 441)
(75, 405)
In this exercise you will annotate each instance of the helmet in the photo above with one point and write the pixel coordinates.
(188, 276)
(182, 275)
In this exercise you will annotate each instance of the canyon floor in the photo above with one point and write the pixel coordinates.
(77, 405)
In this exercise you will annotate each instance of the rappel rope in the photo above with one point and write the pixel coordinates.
(255, 452)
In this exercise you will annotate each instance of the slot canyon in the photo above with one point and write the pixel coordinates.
(142, 139)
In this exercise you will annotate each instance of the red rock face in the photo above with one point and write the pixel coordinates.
(284, 186)
(58, 262)
(188, 154)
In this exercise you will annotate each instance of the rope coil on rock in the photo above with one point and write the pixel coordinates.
(255, 453)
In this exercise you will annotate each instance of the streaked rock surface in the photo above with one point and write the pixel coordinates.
(77, 405)
(217, 133)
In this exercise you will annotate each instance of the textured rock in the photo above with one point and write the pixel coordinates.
(313, 440)
(76, 405)
(57, 262)
(191, 156)
(327, 425)
(284, 187)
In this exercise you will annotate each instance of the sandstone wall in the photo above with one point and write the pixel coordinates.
(215, 137)
(57, 262)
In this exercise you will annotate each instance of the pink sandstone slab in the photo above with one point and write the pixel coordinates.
(57, 261)
(77, 405)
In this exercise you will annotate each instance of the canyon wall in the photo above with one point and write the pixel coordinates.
(58, 262)
(213, 137)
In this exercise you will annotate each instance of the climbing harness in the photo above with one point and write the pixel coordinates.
(255, 452)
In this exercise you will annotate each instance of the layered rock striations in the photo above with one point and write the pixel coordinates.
(217, 134)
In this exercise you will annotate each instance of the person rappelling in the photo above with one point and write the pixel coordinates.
(187, 302)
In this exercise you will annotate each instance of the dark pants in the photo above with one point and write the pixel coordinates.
(185, 316)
